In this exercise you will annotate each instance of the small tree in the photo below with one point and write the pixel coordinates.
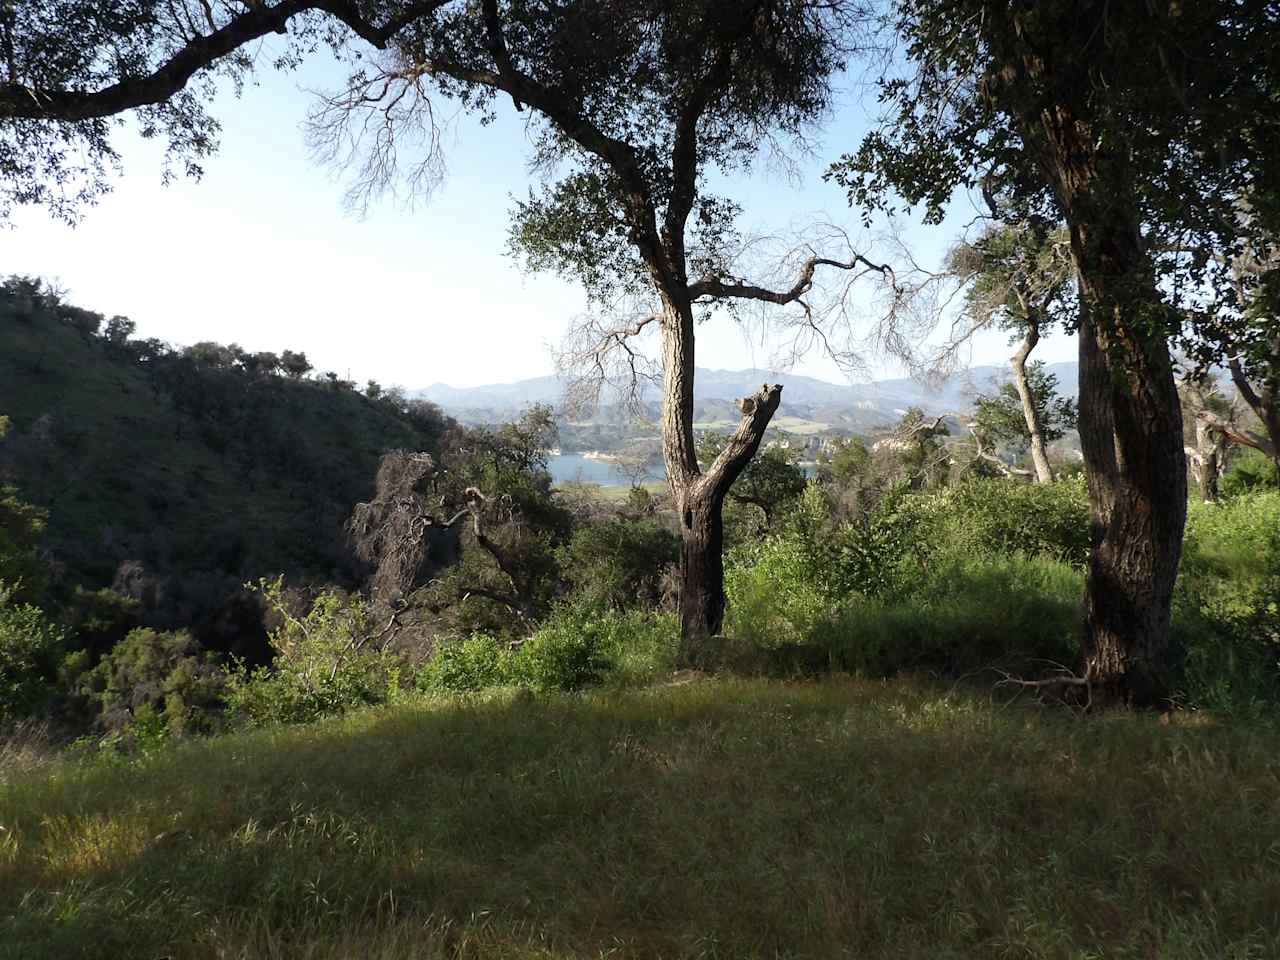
(1019, 278)
(639, 101)
(1002, 419)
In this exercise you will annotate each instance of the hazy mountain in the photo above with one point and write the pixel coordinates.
(862, 404)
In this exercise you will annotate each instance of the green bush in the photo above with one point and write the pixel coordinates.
(29, 650)
(462, 665)
(155, 684)
(619, 562)
(1250, 471)
(578, 646)
(326, 662)
(1227, 605)
(568, 652)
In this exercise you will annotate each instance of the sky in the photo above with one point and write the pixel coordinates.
(262, 252)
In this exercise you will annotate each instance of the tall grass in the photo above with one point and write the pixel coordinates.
(716, 819)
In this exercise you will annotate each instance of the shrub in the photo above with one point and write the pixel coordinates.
(1227, 605)
(568, 652)
(462, 665)
(326, 662)
(156, 684)
(29, 649)
(619, 562)
(1251, 470)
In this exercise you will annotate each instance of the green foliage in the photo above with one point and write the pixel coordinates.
(619, 562)
(21, 527)
(466, 664)
(568, 652)
(30, 647)
(1000, 418)
(154, 684)
(201, 477)
(327, 661)
(579, 645)
(1250, 470)
(772, 479)
(1227, 605)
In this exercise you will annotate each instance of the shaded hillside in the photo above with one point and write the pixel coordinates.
(177, 475)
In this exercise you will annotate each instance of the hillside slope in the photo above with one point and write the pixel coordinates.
(176, 480)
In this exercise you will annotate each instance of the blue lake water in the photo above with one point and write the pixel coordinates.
(574, 466)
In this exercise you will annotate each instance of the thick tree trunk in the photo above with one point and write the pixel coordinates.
(1044, 473)
(700, 497)
(1131, 435)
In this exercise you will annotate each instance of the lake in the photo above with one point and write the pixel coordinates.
(574, 466)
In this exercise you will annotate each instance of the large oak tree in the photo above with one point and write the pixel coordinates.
(1144, 125)
(638, 103)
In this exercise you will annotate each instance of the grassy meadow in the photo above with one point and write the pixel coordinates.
(715, 818)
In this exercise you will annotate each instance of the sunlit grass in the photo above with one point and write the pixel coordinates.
(710, 819)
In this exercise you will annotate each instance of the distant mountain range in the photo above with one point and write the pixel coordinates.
(855, 406)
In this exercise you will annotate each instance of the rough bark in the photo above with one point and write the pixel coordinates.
(700, 496)
(1131, 436)
(1039, 456)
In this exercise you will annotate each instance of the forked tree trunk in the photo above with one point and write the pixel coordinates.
(699, 496)
(1131, 435)
(1264, 401)
(1044, 472)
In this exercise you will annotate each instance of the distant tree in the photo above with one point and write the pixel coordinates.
(1020, 278)
(261, 364)
(118, 330)
(207, 353)
(1001, 419)
(373, 389)
(915, 445)
(295, 365)
(87, 323)
(1210, 418)
(491, 486)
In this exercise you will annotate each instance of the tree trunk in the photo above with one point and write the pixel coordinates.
(1044, 473)
(700, 497)
(1206, 459)
(1131, 435)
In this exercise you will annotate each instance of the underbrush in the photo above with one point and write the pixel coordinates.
(714, 819)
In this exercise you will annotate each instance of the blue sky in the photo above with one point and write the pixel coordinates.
(262, 253)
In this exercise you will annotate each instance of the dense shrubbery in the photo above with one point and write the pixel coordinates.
(327, 661)
(155, 684)
(579, 646)
(1227, 605)
(30, 649)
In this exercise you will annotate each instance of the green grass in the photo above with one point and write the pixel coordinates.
(714, 819)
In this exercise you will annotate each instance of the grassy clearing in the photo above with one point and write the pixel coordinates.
(713, 819)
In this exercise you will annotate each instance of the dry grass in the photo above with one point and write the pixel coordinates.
(711, 819)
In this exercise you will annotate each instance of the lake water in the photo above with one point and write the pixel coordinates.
(574, 466)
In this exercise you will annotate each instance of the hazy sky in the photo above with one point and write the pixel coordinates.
(262, 253)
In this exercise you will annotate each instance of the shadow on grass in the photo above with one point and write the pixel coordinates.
(714, 819)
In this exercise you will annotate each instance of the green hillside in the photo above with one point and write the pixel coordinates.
(176, 475)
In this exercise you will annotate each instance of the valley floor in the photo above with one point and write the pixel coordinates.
(711, 819)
